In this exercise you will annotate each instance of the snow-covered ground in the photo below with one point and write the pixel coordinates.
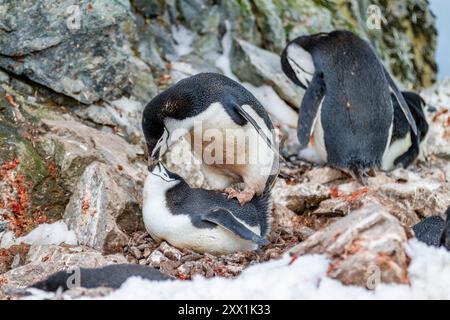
(306, 278)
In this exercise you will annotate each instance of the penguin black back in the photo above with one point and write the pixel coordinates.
(434, 231)
(356, 110)
(193, 95)
(201, 200)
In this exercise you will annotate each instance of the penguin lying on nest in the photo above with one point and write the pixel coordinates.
(213, 102)
(203, 220)
(434, 231)
(352, 111)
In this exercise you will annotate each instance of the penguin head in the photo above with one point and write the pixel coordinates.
(297, 63)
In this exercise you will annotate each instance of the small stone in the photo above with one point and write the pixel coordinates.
(16, 261)
(191, 257)
(143, 262)
(170, 252)
(147, 252)
(136, 253)
(143, 246)
(156, 258)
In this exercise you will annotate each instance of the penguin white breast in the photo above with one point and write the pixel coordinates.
(254, 159)
(178, 229)
(395, 150)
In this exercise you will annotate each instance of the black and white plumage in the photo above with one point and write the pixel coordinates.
(434, 231)
(203, 220)
(347, 107)
(217, 103)
(405, 146)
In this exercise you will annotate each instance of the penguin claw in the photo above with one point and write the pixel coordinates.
(243, 197)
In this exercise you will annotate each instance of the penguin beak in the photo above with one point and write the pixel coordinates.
(152, 163)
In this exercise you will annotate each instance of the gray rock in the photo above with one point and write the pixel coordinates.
(148, 8)
(104, 209)
(365, 248)
(21, 86)
(74, 146)
(259, 66)
(270, 24)
(4, 77)
(71, 47)
(299, 197)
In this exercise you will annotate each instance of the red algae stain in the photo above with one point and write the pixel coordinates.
(16, 197)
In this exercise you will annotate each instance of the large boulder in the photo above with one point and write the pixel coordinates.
(104, 209)
(72, 47)
(365, 248)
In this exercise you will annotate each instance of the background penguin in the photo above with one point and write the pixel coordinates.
(405, 146)
(347, 106)
(434, 231)
(203, 220)
(219, 103)
(112, 276)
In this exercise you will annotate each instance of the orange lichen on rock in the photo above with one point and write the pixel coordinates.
(11, 101)
(16, 197)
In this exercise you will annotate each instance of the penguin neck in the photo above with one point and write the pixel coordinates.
(153, 129)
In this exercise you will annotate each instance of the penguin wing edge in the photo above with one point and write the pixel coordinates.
(401, 101)
(252, 121)
(227, 220)
(308, 110)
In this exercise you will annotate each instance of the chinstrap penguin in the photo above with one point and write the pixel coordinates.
(217, 103)
(347, 111)
(434, 231)
(203, 220)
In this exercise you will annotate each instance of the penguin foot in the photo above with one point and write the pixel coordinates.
(243, 197)
(360, 175)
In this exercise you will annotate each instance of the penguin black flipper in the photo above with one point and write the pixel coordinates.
(309, 108)
(401, 101)
(227, 220)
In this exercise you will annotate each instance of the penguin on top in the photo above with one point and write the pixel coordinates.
(222, 106)
(352, 106)
(203, 220)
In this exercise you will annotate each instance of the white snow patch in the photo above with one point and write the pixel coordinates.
(45, 234)
(305, 279)
(265, 94)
